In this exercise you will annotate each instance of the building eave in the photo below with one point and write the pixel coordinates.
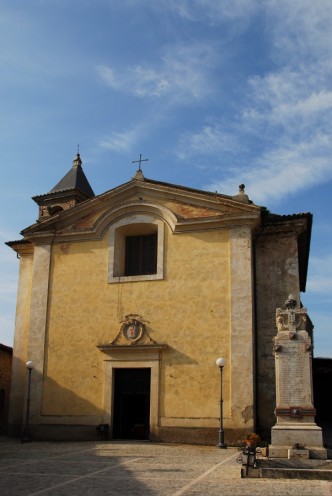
(21, 246)
(299, 225)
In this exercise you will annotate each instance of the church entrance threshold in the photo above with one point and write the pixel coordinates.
(131, 417)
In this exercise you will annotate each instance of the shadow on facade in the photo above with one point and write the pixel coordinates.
(51, 411)
(73, 418)
(176, 357)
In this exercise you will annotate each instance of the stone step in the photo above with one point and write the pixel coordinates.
(280, 469)
(286, 473)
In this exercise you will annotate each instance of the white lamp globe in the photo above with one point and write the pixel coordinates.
(220, 362)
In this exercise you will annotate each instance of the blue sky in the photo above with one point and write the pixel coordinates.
(214, 93)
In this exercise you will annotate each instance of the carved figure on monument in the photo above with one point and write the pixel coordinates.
(296, 318)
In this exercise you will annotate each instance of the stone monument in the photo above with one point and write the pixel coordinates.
(295, 435)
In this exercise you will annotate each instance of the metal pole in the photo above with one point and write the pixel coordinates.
(26, 431)
(221, 443)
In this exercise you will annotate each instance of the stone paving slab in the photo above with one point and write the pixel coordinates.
(134, 469)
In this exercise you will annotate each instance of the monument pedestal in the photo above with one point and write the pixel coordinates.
(288, 438)
(295, 434)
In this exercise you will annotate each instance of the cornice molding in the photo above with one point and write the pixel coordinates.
(183, 211)
(285, 226)
(21, 247)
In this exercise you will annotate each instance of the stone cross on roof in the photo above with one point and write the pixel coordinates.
(139, 161)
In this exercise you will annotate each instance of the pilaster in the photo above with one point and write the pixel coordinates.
(241, 339)
(17, 391)
(38, 323)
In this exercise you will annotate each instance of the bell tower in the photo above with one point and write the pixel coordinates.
(72, 189)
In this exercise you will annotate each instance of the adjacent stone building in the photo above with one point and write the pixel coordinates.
(127, 298)
(6, 356)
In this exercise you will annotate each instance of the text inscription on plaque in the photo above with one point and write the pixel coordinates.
(294, 372)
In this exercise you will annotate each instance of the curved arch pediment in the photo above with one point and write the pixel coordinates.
(130, 209)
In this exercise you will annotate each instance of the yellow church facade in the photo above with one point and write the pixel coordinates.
(126, 300)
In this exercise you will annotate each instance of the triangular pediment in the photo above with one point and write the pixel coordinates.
(184, 209)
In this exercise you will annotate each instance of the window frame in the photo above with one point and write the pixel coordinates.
(130, 226)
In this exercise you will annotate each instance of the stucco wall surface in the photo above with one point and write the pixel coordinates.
(189, 311)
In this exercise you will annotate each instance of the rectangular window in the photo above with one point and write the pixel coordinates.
(141, 255)
(2, 399)
(136, 249)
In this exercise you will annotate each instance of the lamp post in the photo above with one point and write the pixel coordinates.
(26, 430)
(220, 363)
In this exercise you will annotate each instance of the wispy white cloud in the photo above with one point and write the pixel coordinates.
(300, 29)
(214, 11)
(121, 141)
(211, 139)
(204, 11)
(181, 74)
(287, 97)
(279, 138)
(106, 73)
(282, 170)
(283, 119)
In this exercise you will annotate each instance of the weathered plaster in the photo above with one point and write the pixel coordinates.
(241, 326)
(37, 324)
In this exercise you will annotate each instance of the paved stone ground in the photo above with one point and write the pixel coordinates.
(134, 469)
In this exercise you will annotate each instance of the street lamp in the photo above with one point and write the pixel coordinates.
(220, 363)
(26, 430)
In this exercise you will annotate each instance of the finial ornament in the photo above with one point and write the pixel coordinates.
(241, 189)
(291, 320)
(139, 161)
(290, 303)
(77, 162)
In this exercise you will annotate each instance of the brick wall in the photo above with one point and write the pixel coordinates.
(6, 357)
